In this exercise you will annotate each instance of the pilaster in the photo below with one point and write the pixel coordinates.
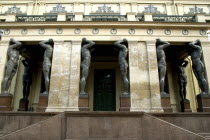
(122, 9)
(134, 7)
(180, 8)
(153, 77)
(131, 16)
(41, 8)
(30, 8)
(200, 17)
(87, 8)
(168, 9)
(11, 17)
(78, 16)
(60, 77)
(148, 17)
(139, 77)
(0, 8)
(74, 76)
(61, 17)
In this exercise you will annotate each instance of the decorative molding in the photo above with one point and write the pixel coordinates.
(151, 9)
(59, 31)
(185, 32)
(41, 31)
(13, 9)
(104, 9)
(58, 9)
(131, 31)
(150, 31)
(203, 32)
(77, 31)
(113, 31)
(6, 31)
(24, 31)
(95, 31)
(167, 31)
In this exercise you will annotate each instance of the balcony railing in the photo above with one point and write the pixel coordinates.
(167, 18)
(139, 17)
(104, 18)
(29, 18)
(69, 17)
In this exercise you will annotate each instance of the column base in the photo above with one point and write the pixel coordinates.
(185, 106)
(125, 103)
(203, 103)
(23, 105)
(84, 103)
(43, 103)
(6, 101)
(165, 102)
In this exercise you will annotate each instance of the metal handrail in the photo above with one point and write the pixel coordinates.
(174, 18)
(38, 18)
(105, 18)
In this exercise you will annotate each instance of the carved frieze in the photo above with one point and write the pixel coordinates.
(152, 8)
(13, 9)
(105, 8)
(59, 8)
(196, 9)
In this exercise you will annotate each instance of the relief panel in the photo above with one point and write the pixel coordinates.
(152, 8)
(59, 8)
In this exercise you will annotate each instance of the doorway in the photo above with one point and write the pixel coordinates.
(104, 90)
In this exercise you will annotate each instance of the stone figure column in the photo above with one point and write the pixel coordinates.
(161, 46)
(182, 78)
(1, 33)
(11, 65)
(182, 81)
(123, 53)
(195, 51)
(10, 70)
(27, 80)
(85, 65)
(47, 62)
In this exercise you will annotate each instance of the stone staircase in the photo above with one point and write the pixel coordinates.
(104, 126)
(198, 123)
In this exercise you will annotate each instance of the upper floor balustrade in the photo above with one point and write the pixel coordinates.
(31, 18)
(108, 18)
(104, 18)
(171, 18)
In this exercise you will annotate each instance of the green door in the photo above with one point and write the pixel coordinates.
(104, 90)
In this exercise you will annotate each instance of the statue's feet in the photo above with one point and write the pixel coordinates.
(164, 93)
(23, 99)
(83, 94)
(185, 100)
(44, 93)
(204, 93)
(125, 94)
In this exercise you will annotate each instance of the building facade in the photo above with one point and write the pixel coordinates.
(105, 22)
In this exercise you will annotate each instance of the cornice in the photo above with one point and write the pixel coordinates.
(86, 24)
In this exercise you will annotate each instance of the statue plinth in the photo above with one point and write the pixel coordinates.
(43, 103)
(84, 102)
(6, 101)
(165, 102)
(125, 102)
(203, 103)
(23, 105)
(185, 106)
